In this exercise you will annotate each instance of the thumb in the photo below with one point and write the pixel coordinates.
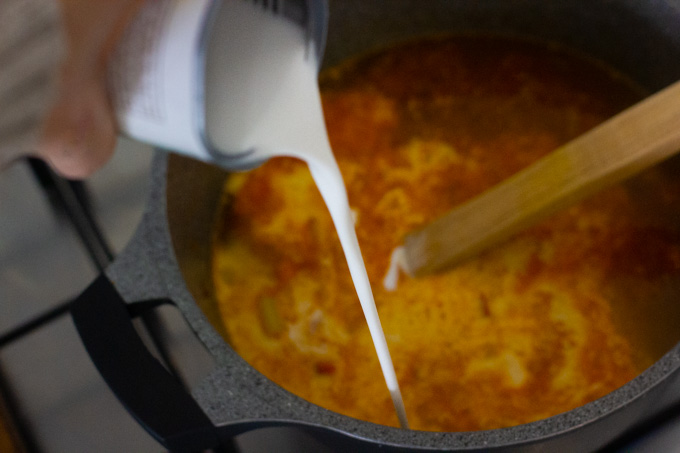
(79, 134)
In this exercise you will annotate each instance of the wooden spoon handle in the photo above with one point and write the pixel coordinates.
(628, 143)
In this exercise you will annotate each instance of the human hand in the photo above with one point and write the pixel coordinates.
(79, 133)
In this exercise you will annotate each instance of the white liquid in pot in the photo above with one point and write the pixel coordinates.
(285, 118)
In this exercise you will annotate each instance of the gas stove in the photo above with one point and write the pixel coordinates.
(55, 238)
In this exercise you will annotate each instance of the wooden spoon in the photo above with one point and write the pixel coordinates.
(626, 144)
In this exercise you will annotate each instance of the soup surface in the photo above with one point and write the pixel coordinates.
(533, 328)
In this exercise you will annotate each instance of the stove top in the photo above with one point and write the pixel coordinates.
(58, 400)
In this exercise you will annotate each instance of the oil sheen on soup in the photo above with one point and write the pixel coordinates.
(533, 328)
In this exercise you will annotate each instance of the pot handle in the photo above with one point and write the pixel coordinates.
(153, 396)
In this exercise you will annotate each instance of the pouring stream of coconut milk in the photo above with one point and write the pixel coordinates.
(258, 98)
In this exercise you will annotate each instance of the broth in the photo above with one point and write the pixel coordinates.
(545, 323)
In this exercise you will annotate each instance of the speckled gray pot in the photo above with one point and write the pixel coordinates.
(169, 254)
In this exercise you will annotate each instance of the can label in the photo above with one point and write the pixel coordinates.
(155, 72)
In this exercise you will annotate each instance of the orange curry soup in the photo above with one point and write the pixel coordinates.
(522, 332)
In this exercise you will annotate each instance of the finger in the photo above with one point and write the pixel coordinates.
(79, 134)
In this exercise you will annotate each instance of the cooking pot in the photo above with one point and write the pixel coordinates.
(169, 257)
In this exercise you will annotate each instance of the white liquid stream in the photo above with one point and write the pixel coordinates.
(283, 116)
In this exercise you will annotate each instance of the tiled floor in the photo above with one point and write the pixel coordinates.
(62, 398)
